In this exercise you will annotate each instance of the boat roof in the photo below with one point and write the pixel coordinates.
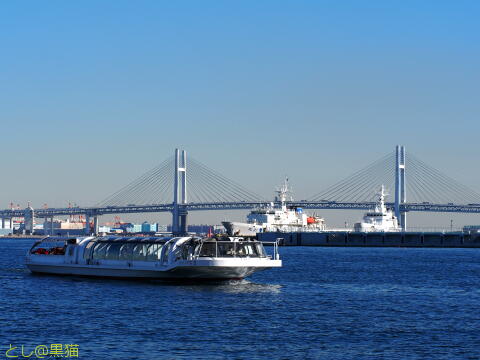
(56, 239)
(136, 239)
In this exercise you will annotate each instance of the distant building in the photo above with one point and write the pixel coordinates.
(5, 232)
(471, 228)
(7, 224)
(205, 229)
(66, 225)
(133, 228)
(104, 229)
(6, 227)
(163, 228)
(60, 227)
(147, 227)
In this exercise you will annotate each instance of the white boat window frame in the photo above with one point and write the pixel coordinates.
(128, 255)
(137, 255)
(96, 254)
(154, 252)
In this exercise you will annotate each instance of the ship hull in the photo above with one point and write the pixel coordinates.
(205, 271)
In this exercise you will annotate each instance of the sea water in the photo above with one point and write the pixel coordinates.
(324, 303)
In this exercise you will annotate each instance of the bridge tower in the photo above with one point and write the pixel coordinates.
(88, 229)
(179, 213)
(29, 220)
(400, 188)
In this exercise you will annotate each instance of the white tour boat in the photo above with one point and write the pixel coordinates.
(275, 219)
(379, 219)
(151, 257)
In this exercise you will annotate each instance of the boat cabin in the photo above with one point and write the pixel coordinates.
(151, 257)
(139, 248)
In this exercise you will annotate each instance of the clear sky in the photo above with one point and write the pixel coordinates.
(94, 93)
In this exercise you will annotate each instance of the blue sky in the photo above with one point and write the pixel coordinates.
(94, 93)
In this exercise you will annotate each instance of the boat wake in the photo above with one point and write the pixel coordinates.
(235, 287)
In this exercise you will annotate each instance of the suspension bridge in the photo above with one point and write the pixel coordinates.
(179, 187)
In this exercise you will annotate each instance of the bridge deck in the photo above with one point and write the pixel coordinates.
(330, 205)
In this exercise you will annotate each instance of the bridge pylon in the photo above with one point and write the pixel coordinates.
(179, 212)
(400, 186)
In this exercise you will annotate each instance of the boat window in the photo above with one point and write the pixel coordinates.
(153, 252)
(165, 250)
(126, 251)
(88, 250)
(35, 246)
(198, 247)
(140, 252)
(185, 251)
(99, 251)
(241, 251)
(49, 248)
(250, 250)
(208, 249)
(112, 251)
(226, 249)
(260, 250)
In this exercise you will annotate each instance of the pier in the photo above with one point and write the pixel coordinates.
(375, 239)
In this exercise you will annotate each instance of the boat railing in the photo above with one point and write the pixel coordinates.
(276, 254)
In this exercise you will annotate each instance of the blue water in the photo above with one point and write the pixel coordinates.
(325, 303)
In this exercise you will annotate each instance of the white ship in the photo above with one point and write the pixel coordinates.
(379, 219)
(275, 219)
(151, 257)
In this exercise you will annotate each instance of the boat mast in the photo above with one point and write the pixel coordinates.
(382, 199)
(282, 192)
(380, 206)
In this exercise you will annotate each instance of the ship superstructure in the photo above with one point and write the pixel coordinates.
(380, 218)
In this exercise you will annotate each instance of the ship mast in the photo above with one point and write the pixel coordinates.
(380, 207)
(282, 192)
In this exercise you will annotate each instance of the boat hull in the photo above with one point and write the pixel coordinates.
(181, 272)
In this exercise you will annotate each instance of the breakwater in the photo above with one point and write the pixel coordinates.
(375, 239)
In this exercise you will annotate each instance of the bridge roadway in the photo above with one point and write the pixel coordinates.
(327, 205)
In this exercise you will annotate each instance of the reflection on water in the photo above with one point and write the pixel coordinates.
(225, 286)
(236, 287)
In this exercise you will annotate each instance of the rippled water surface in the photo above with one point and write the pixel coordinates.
(325, 303)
